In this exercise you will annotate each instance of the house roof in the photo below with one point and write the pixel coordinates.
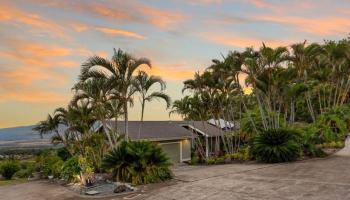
(153, 130)
(221, 123)
(203, 128)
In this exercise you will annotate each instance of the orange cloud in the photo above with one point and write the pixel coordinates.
(120, 32)
(33, 96)
(242, 42)
(28, 65)
(34, 54)
(125, 11)
(319, 26)
(11, 14)
(173, 72)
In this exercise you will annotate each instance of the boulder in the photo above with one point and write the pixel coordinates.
(121, 188)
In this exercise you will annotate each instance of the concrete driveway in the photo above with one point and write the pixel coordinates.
(327, 178)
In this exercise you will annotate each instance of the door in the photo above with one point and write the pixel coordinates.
(173, 151)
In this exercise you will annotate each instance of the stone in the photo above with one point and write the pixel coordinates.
(121, 188)
(92, 192)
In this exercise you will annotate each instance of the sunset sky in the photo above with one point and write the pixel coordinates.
(43, 43)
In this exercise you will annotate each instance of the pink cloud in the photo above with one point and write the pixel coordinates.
(13, 15)
(124, 33)
(242, 42)
(125, 11)
(319, 26)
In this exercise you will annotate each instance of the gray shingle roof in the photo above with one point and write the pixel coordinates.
(153, 130)
(167, 130)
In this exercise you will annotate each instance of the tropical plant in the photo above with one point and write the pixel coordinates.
(49, 163)
(143, 84)
(276, 145)
(8, 168)
(77, 168)
(139, 162)
(119, 71)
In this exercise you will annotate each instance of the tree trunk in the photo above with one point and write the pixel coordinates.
(142, 112)
(126, 120)
(104, 125)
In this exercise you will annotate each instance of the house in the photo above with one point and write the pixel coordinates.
(177, 138)
(171, 136)
(210, 132)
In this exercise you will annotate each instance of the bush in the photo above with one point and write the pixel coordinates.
(49, 163)
(26, 170)
(139, 162)
(77, 168)
(8, 168)
(220, 160)
(309, 142)
(195, 160)
(274, 146)
(63, 153)
(211, 161)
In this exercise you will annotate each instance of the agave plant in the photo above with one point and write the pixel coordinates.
(139, 162)
(276, 145)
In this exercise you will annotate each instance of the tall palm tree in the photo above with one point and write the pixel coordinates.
(120, 70)
(95, 92)
(143, 84)
(48, 126)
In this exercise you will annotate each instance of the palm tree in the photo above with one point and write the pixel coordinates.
(143, 83)
(95, 92)
(120, 70)
(48, 126)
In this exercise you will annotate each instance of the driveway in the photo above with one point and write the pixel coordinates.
(327, 178)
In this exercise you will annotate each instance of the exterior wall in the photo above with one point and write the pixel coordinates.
(173, 150)
(186, 150)
(177, 150)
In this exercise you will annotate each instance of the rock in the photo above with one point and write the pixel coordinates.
(92, 192)
(121, 188)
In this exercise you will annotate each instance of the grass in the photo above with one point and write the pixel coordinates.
(13, 181)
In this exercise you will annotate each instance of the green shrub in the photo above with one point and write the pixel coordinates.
(63, 153)
(220, 160)
(27, 168)
(211, 161)
(49, 163)
(274, 146)
(195, 160)
(309, 141)
(8, 168)
(139, 162)
(77, 168)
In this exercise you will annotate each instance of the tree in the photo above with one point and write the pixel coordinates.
(120, 71)
(95, 92)
(143, 84)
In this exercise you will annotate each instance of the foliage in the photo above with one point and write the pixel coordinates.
(139, 162)
(63, 153)
(273, 146)
(8, 168)
(195, 159)
(26, 169)
(49, 163)
(77, 168)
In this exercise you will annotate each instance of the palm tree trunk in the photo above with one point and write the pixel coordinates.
(142, 112)
(104, 125)
(126, 120)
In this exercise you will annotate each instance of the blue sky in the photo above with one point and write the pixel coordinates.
(43, 43)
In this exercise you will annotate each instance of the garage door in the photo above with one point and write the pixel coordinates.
(172, 150)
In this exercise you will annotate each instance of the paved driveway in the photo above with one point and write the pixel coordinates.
(327, 178)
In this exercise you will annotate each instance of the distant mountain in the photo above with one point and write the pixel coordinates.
(20, 133)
